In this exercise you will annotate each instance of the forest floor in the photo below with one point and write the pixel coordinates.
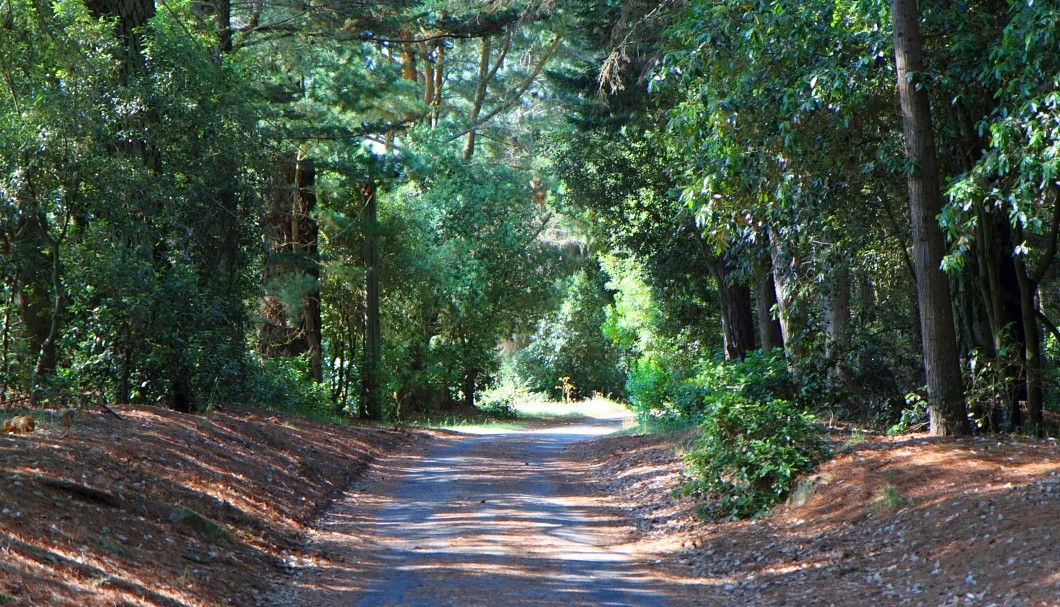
(254, 508)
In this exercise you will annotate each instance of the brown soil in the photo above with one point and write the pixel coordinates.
(892, 521)
(89, 515)
(90, 507)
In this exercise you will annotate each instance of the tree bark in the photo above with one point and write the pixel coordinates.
(36, 258)
(770, 335)
(371, 395)
(292, 234)
(837, 313)
(470, 384)
(1032, 349)
(131, 16)
(947, 409)
(486, 74)
(791, 319)
(737, 326)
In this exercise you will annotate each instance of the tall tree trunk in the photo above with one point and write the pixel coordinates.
(1029, 280)
(371, 390)
(131, 16)
(486, 74)
(837, 312)
(947, 409)
(1032, 348)
(770, 335)
(791, 319)
(292, 234)
(837, 320)
(470, 384)
(480, 93)
(35, 254)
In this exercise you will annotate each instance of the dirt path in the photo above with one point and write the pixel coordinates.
(492, 519)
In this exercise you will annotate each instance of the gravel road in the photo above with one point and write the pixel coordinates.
(500, 518)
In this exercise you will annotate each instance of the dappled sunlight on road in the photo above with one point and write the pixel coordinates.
(490, 519)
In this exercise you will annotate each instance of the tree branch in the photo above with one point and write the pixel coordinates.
(1050, 249)
(515, 96)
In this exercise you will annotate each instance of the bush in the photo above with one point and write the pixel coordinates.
(683, 391)
(500, 402)
(749, 454)
(648, 386)
(284, 384)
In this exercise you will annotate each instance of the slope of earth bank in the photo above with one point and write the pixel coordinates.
(160, 508)
(910, 520)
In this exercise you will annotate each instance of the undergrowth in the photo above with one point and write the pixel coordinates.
(755, 438)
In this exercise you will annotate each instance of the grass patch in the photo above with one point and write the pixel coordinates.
(596, 408)
(449, 422)
(667, 425)
(856, 438)
(889, 499)
(525, 413)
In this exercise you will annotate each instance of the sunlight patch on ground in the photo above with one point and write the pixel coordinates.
(599, 408)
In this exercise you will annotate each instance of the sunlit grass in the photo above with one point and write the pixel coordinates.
(595, 408)
(528, 413)
(660, 425)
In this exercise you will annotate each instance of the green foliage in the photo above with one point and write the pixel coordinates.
(500, 401)
(914, 416)
(658, 389)
(283, 384)
(571, 344)
(754, 441)
(749, 454)
(649, 387)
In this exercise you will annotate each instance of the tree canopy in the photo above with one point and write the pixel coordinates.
(380, 209)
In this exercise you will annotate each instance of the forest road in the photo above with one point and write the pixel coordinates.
(499, 518)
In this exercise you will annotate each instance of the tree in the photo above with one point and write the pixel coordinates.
(941, 364)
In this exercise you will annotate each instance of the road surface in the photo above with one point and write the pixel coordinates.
(496, 518)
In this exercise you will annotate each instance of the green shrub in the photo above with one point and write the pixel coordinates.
(749, 454)
(500, 402)
(284, 384)
(648, 386)
(683, 390)
(759, 377)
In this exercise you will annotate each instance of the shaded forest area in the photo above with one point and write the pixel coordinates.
(712, 209)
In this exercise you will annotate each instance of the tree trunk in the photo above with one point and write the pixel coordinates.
(37, 290)
(371, 395)
(470, 383)
(480, 94)
(737, 326)
(837, 320)
(941, 363)
(1032, 349)
(789, 316)
(770, 335)
(292, 232)
(836, 306)
(131, 16)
